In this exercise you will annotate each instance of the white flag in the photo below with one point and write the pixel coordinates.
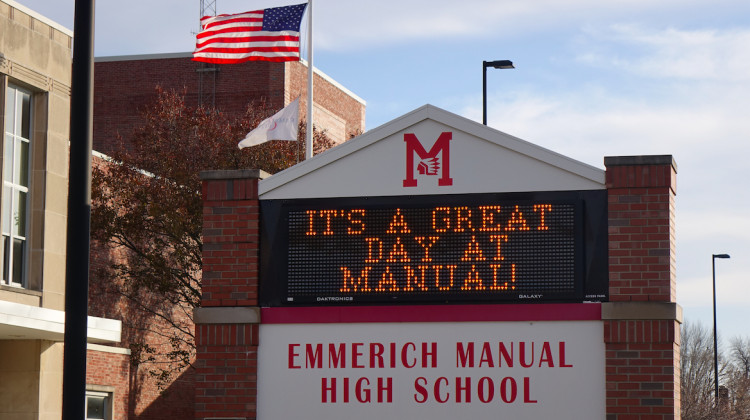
(283, 125)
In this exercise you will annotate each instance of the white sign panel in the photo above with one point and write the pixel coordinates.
(465, 370)
(428, 152)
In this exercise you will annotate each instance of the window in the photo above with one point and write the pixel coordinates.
(16, 174)
(98, 405)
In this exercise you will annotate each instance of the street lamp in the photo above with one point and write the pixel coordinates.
(498, 64)
(716, 357)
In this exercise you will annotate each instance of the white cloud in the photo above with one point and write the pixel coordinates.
(708, 54)
(708, 225)
(731, 287)
(693, 115)
(354, 25)
(588, 124)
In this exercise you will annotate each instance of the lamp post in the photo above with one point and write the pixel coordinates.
(716, 357)
(498, 64)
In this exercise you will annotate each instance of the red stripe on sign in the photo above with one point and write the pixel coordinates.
(433, 313)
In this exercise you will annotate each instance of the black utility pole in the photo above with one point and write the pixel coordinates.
(79, 213)
(716, 346)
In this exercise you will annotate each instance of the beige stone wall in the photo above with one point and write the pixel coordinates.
(336, 109)
(31, 372)
(40, 47)
(50, 380)
(19, 387)
(335, 126)
(36, 54)
(24, 297)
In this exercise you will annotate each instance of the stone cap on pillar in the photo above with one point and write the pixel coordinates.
(641, 171)
(235, 184)
(642, 160)
(234, 174)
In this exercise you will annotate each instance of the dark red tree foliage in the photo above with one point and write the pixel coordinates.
(146, 221)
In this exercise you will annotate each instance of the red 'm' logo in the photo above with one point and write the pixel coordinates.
(430, 163)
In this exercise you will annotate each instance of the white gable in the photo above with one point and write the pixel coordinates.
(479, 159)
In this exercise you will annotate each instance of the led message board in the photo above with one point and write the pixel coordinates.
(547, 246)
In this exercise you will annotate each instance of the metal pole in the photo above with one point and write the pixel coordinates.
(716, 346)
(484, 92)
(310, 70)
(716, 357)
(79, 214)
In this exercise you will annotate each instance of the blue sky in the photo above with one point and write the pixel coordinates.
(592, 79)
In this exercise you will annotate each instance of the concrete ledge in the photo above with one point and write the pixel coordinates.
(232, 315)
(234, 174)
(20, 290)
(641, 310)
(19, 321)
(108, 349)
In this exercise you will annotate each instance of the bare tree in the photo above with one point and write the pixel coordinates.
(740, 348)
(697, 376)
(696, 372)
(737, 379)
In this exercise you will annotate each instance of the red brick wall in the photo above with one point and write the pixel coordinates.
(177, 401)
(641, 232)
(110, 369)
(642, 369)
(226, 365)
(642, 360)
(123, 88)
(231, 239)
(227, 369)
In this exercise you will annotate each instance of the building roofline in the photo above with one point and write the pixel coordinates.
(330, 80)
(38, 16)
(137, 57)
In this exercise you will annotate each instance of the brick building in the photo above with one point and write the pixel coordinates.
(123, 87)
(125, 84)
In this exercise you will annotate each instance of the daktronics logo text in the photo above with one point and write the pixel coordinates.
(429, 162)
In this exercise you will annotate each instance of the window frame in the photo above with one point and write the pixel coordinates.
(108, 402)
(12, 188)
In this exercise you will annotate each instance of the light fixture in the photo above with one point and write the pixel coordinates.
(497, 64)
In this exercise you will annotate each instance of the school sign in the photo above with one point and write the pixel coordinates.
(435, 268)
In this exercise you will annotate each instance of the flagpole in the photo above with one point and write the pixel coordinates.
(309, 142)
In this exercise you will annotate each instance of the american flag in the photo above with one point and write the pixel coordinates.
(269, 35)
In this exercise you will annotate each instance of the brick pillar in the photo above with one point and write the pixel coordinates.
(226, 324)
(641, 321)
